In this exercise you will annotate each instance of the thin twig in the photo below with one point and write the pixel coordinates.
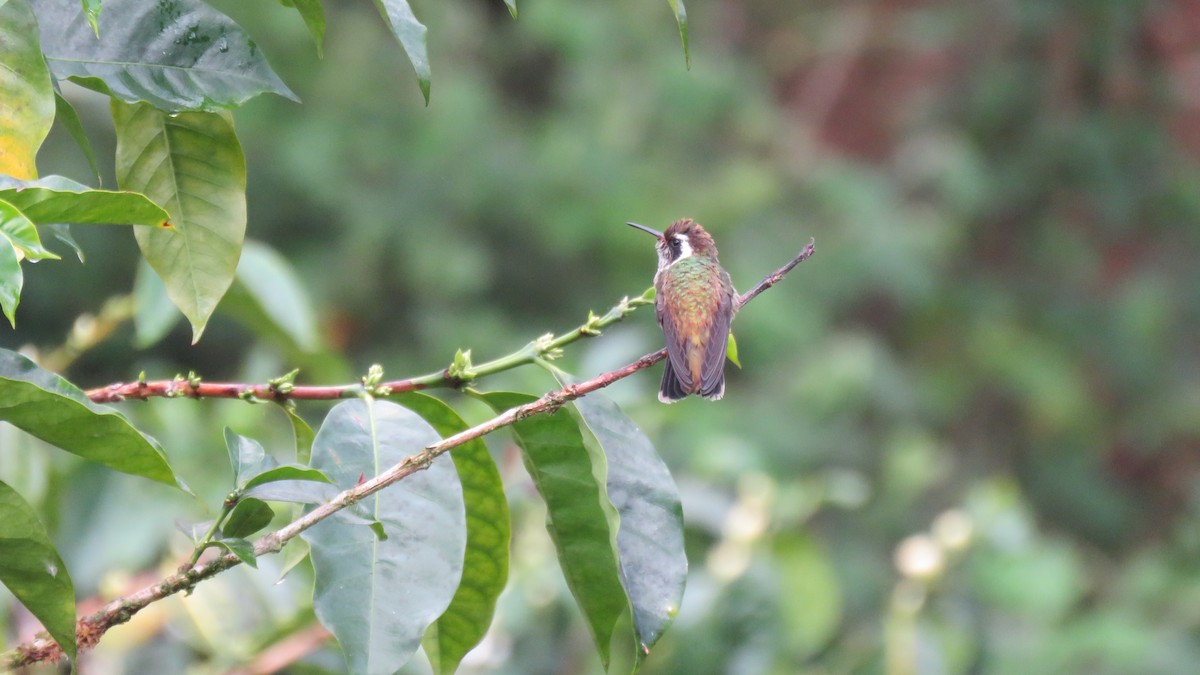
(775, 277)
(90, 628)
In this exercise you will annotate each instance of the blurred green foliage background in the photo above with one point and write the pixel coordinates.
(966, 434)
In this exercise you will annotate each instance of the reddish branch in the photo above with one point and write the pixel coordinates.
(181, 388)
(90, 628)
(196, 388)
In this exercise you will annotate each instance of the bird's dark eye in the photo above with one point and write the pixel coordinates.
(674, 244)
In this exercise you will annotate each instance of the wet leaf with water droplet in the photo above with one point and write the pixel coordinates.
(208, 62)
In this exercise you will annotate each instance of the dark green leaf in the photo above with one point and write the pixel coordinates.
(485, 563)
(25, 89)
(11, 280)
(55, 199)
(65, 112)
(32, 570)
(314, 18)
(411, 34)
(249, 516)
(192, 164)
(379, 597)
(681, 19)
(650, 539)
(48, 407)
(177, 55)
(243, 549)
(580, 519)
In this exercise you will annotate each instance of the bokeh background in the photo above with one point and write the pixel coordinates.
(966, 434)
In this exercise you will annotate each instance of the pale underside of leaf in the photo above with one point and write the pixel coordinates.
(192, 165)
(379, 596)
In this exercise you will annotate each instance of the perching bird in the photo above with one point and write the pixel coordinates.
(694, 301)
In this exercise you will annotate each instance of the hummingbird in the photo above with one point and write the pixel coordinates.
(694, 301)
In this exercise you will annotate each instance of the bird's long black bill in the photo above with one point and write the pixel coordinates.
(643, 228)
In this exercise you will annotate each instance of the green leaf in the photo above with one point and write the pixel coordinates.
(253, 468)
(243, 549)
(25, 89)
(287, 473)
(303, 433)
(314, 18)
(582, 522)
(296, 550)
(154, 315)
(196, 532)
(650, 540)
(62, 232)
(32, 570)
(91, 9)
(177, 55)
(378, 597)
(48, 407)
(249, 516)
(55, 199)
(731, 351)
(303, 491)
(681, 19)
(21, 233)
(246, 456)
(65, 112)
(192, 164)
(411, 34)
(294, 553)
(489, 530)
(512, 7)
(268, 294)
(11, 280)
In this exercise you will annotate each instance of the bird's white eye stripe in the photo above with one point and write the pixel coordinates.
(683, 247)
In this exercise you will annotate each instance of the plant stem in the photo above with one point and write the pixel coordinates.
(181, 387)
(88, 331)
(226, 509)
(91, 628)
